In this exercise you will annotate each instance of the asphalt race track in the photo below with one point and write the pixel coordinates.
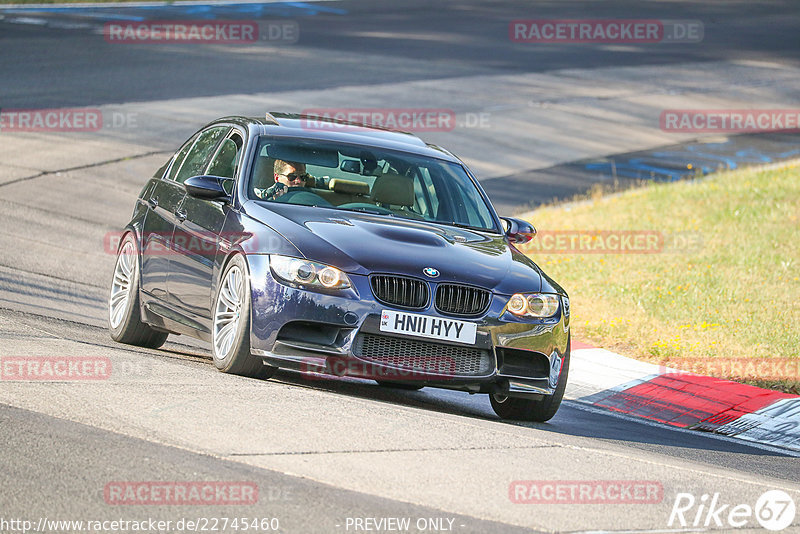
(328, 454)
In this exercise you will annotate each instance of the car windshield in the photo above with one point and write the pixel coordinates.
(367, 179)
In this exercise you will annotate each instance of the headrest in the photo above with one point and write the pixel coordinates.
(394, 190)
(263, 173)
(349, 187)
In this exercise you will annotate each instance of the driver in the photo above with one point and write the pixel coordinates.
(287, 174)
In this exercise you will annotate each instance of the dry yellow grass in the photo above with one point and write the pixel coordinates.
(732, 297)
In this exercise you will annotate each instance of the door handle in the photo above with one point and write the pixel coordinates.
(180, 215)
(153, 201)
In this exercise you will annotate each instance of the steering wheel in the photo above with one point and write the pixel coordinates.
(302, 195)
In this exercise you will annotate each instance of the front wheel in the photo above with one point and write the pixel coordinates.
(521, 409)
(124, 316)
(231, 328)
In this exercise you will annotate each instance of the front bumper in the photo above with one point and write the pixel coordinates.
(339, 333)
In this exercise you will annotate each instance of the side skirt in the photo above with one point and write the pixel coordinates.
(158, 314)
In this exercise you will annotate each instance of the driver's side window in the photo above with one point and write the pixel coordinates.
(226, 161)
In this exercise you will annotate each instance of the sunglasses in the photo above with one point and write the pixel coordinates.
(294, 176)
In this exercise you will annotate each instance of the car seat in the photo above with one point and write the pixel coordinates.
(393, 190)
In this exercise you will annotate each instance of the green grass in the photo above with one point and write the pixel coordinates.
(736, 297)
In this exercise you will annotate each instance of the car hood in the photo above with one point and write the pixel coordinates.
(361, 243)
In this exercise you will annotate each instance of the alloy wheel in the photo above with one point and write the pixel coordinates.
(120, 297)
(227, 311)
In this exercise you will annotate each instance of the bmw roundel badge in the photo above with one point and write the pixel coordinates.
(430, 271)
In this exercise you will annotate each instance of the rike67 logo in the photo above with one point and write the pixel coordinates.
(774, 510)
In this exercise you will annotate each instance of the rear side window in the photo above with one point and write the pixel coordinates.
(179, 157)
(197, 156)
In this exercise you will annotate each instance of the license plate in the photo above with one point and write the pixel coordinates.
(413, 324)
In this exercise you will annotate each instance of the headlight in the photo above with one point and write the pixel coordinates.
(304, 272)
(539, 305)
(517, 304)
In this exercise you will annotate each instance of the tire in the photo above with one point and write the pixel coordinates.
(399, 385)
(520, 409)
(124, 314)
(230, 343)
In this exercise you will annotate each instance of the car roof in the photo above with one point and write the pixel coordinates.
(328, 129)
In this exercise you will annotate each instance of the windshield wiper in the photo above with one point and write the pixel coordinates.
(466, 226)
(369, 210)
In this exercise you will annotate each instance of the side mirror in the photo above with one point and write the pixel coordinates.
(206, 187)
(518, 231)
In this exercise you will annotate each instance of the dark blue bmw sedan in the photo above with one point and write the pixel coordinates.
(321, 246)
